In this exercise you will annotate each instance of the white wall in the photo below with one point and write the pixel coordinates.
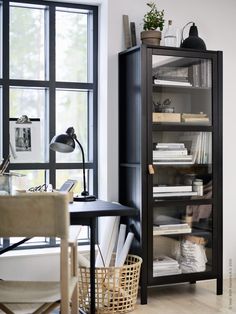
(215, 20)
(38, 265)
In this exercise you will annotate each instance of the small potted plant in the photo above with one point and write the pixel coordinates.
(153, 20)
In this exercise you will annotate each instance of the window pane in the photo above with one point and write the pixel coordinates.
(30, 102)
(27, 43)
(72, 110)
(77, 174)
(74, 174)
(71, 46)
(84, 234)
(32, 178)
(1, 126)
(1, 39)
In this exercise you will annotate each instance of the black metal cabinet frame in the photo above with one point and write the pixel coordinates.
(135, 155)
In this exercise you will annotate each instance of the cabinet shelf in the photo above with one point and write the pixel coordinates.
(180, 164)
(186, 127)
(179, 89)
(195, 232)
(184, 277)
(183, 202)
(186, 199)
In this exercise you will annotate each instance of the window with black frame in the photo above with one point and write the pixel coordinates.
(48, 72)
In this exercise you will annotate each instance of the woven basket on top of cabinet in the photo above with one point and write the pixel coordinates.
(116, 288)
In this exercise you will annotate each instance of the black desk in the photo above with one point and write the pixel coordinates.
(86, 213)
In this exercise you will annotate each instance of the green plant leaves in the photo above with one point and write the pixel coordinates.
(153, 19)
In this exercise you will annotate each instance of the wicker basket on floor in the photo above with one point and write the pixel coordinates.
(116, 288)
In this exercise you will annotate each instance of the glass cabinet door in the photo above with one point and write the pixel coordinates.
(182, 183)
(182, 90)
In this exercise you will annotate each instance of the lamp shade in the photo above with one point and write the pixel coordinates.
(62, 143)
(193, 41)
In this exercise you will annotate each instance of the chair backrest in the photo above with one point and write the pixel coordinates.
(36, 214)
(44, 214)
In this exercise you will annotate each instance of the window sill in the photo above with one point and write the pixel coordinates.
(41, 251)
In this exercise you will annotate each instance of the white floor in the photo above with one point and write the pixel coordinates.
(199, 298)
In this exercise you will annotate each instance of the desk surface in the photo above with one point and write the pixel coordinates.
(99, 208)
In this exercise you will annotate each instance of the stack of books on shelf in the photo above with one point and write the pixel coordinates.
(166, 117)
(195, 118)
(171, 82)
(201, 148)
(165, 266)
(173, 76)
(171, 153)
(180, 228)
(200, 74)
(173, 190)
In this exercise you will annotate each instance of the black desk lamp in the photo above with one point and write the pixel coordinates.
(65, 143)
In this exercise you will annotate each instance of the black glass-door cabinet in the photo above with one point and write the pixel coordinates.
(170, 161)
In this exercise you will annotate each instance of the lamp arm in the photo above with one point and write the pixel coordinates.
(83, 162)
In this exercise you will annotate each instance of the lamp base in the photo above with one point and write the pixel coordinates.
(87, 198)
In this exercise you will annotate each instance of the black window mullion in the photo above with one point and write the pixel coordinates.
(51, 106)
(95, 100)
(6, 242)
(52, 89)
(29, 83)
(75, 85)
(52, 241)
(5, 71)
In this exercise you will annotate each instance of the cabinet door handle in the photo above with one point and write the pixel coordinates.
(151, 169)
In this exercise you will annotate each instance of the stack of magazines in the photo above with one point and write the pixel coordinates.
(165, 266)
(171, 82)
(173, 190)
(166, 153)
(177, 228)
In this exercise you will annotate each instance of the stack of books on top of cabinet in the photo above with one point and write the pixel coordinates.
(165, 266)
(173, 190)
(171, 153)
(180, 228)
